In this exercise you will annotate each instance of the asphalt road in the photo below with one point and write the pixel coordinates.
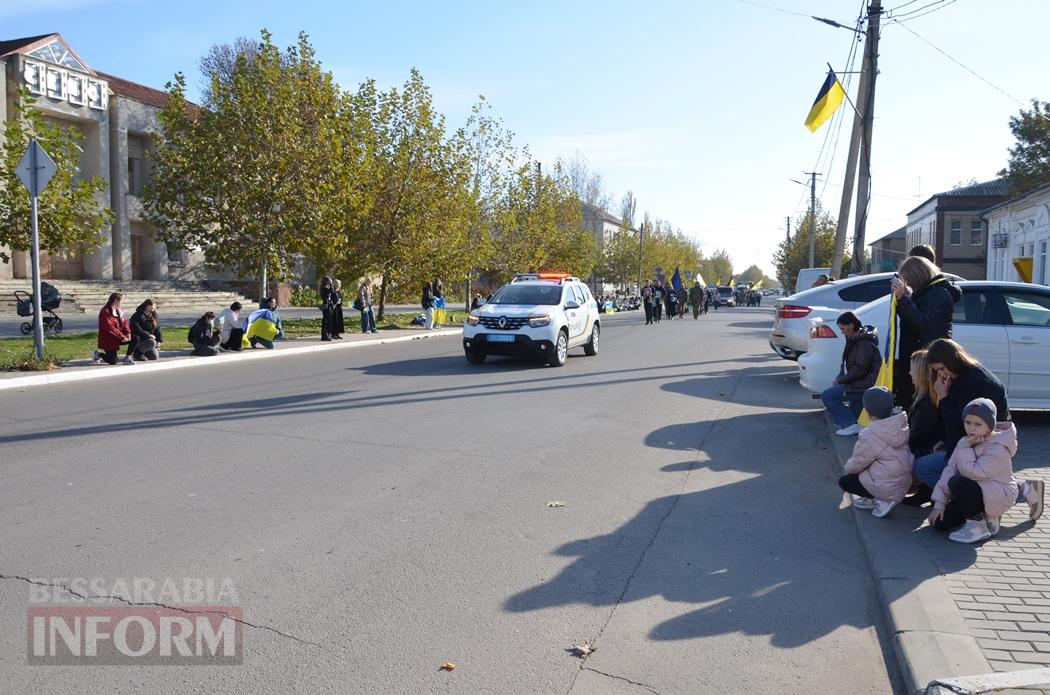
(383, 510)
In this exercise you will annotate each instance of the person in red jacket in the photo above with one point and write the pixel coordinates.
(113, 330)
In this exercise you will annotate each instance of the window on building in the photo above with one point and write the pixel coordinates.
(976, 233)
(1042, 262)
(55, 52)
(956, 237)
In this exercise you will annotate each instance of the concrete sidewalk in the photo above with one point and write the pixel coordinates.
(84, 369)
(964, 618)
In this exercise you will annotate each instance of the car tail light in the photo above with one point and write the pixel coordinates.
(793, 311)
(822, 331)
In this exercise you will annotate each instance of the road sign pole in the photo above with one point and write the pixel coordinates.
(38, 318)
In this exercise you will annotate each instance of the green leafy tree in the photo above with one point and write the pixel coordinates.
(792, 256)
(250, 177)
(1029, 165)
(70, 214)
(718, 268)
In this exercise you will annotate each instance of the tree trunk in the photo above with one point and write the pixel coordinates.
(382, 298)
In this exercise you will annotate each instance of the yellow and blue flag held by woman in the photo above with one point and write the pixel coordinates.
(885, 377)
(827, 102)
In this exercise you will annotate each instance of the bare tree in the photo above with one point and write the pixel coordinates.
(587, 184)
(628, 209)
(218, 63)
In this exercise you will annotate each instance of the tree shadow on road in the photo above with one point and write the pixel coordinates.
(769, 554)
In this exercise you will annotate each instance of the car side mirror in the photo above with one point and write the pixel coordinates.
(571, 305)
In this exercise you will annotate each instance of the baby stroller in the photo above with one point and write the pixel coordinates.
(50, 299)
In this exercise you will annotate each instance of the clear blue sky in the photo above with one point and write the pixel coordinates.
(696, 106)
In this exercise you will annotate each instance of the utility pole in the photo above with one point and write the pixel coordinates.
(787, 223)
(864, 184)
(812, 216)
(641, 241)
(865, 90)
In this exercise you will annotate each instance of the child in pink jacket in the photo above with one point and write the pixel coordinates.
(978, 484)
(878, 473)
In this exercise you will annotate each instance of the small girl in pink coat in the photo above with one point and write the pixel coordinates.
(878, 473)
(978, 484)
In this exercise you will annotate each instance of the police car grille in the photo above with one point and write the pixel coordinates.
(512, 323)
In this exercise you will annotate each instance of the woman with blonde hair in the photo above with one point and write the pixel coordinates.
(923, 423)
(925, 303)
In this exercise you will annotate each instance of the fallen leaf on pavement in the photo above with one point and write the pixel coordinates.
(447, 666)
(556, 503)
(583, 650)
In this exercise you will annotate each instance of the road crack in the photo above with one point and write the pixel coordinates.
(659, 526)
(180, 609)
(621, 678)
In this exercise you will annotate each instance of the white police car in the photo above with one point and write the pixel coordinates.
(540, 314)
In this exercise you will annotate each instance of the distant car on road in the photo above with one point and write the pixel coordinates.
(789, 336)
(724, 296)
(539, 314)
(1005, 325)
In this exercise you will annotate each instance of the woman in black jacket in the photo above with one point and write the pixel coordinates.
(924, 424)
(925, 304)
(338, 320)
(145, 333)
(327, 291)
(858, 371)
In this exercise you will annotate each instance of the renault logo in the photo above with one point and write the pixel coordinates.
(502, 322)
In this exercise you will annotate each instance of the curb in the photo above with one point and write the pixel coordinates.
(96, 372)
(930, 637)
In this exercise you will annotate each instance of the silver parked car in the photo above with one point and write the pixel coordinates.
(789, 336)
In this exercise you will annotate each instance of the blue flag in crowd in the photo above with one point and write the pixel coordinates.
(676, 280)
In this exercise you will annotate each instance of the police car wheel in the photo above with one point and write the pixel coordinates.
(561, 350)
(475, 357)
(591, 348)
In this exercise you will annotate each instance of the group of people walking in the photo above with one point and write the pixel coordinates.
(658, 298)
(944, 435)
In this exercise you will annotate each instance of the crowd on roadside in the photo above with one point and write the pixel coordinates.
(943, 436)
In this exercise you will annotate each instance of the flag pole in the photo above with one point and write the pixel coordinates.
(846, 94)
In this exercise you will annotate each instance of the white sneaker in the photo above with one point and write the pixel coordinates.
(863, 503)
(882, 508)
(1034, 498)
(94, 357)
(849, 431)
(993, 524)
(973, 531)
(128, 360)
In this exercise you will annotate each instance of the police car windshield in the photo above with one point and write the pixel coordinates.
(527, 294)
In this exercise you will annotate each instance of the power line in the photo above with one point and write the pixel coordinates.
(776, 9)
(911, 15)
(969, 70)
(917, 10)
(910, 2)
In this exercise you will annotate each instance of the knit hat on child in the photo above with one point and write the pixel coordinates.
(982, 408)
(878, 401)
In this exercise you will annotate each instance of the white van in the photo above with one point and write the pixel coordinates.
(807, 276)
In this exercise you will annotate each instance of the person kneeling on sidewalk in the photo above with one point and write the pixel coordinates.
(232, 328)
(978, 484)
(859, 368)
(879, 471)
(203, 336)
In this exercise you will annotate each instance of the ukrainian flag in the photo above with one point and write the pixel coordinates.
(885, 377)
(260, 324)
(827, 102)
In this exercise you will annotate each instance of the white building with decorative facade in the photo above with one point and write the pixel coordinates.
(116, 119)
(1019, 228)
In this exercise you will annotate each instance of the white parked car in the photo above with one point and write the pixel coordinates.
(1005, 325)
(789, 336)
(539, 314)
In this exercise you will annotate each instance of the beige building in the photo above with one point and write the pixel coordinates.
(1020, 228)
(115, 118)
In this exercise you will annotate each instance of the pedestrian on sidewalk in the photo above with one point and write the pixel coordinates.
(923, 422)
(658, 301)
(647, 302)
(146, 335)
(859, 368)
(978, 484)
(961, 379)
(327, 292)
(672, 303)
(879, 471)
(203, 337)
(427, 302)
(232, 329)
(682, 297)
(439, 303)
(113, 331)
(338, 321)
(925, 303)
(364, 305)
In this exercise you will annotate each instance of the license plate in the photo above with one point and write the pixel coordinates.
(496, 338)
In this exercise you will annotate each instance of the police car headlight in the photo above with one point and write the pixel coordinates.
(473, 320)
(538, 321)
